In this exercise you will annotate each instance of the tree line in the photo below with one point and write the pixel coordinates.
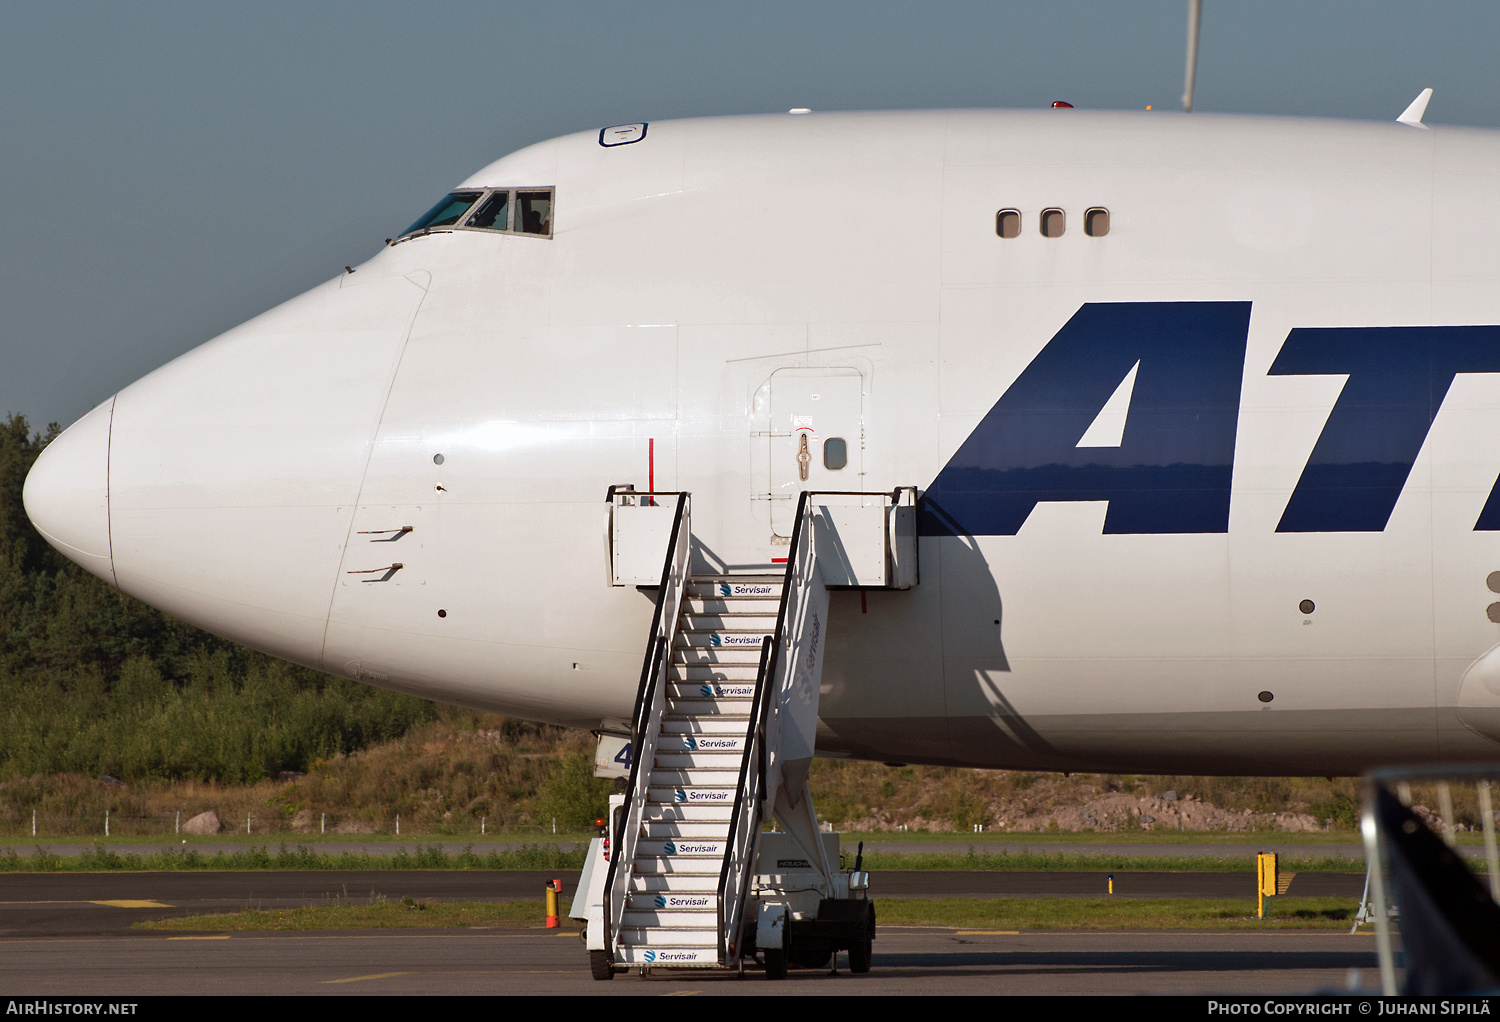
(96, 683)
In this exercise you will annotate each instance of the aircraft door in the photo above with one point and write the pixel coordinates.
(816, 438)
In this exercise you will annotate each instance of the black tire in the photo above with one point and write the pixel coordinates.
(810, 959)
(859, 956)
(775, 962)
(600, 966)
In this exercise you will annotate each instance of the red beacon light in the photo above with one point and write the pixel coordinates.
(1058, 104)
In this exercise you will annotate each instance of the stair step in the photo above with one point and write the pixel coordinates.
(726, 776)
(707, 656)
(681, 812)
(741, 673)
(692, 937)
(691, 796)
(722, 639)
(679, 848)
(675, 883)
(717, 758)
(673, 865)
(711, 689)
(711, 830)
(717, 726)
(671, 956)
(695, 606)
(676, 744)
(694, 709)
(688, 919)
(762, 622)
(694, 706)
(679, 900)
(702, 587)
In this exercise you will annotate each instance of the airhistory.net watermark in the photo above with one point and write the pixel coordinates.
(38, 1006)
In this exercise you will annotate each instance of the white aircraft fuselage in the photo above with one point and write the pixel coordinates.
(1190, 501)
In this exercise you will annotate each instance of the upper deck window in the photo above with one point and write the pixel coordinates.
(499, 209)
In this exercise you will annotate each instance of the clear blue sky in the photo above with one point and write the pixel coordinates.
(168, 170)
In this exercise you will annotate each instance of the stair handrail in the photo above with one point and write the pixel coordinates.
(646, 722)
(745, 818)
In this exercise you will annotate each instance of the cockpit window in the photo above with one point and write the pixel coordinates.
(491, 214)
(510, 210)
(446, 212)
(534, 212)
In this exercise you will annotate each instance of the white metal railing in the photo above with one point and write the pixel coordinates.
(637, 527)
(745, 818)
(866, 540)
(649, 707)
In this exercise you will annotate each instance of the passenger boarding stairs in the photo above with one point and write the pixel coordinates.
(672, 908)
(723, 731)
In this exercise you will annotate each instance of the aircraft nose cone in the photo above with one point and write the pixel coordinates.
(67, 492)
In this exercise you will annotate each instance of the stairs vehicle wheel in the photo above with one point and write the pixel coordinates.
(600, 966)
(859, 956)
(775, 963)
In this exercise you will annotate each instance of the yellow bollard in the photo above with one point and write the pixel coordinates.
(554, 887)
(1265, 881)
(1111, 883)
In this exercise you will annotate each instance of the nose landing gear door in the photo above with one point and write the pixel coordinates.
(815, 439)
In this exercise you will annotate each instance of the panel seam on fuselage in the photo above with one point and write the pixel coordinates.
(359, 494)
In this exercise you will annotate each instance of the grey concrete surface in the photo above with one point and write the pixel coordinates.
(78, 904)
(923, 961)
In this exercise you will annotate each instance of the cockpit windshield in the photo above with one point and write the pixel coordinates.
(504, 210)
(447, 212)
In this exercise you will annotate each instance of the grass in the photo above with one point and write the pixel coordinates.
(960, 913)
(1122, 837)
(380, 915)
(302, 840)
(1092, 862)
(1116, 913)
(100, 859)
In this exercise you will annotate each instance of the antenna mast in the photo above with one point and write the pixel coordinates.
(1195, 13)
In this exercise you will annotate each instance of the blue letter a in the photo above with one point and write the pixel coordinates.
(1172, 470)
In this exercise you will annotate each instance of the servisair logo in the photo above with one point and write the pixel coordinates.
(726, 691)
(669, 848)
(697, 795)
(689, 743)
(743, 589)
(716, 639)
(650, 956)
(680, 901)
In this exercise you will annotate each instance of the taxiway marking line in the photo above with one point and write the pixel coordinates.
(116, 903)
(199, 938)
(361, 979)
(131, 903)
(987, 933)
